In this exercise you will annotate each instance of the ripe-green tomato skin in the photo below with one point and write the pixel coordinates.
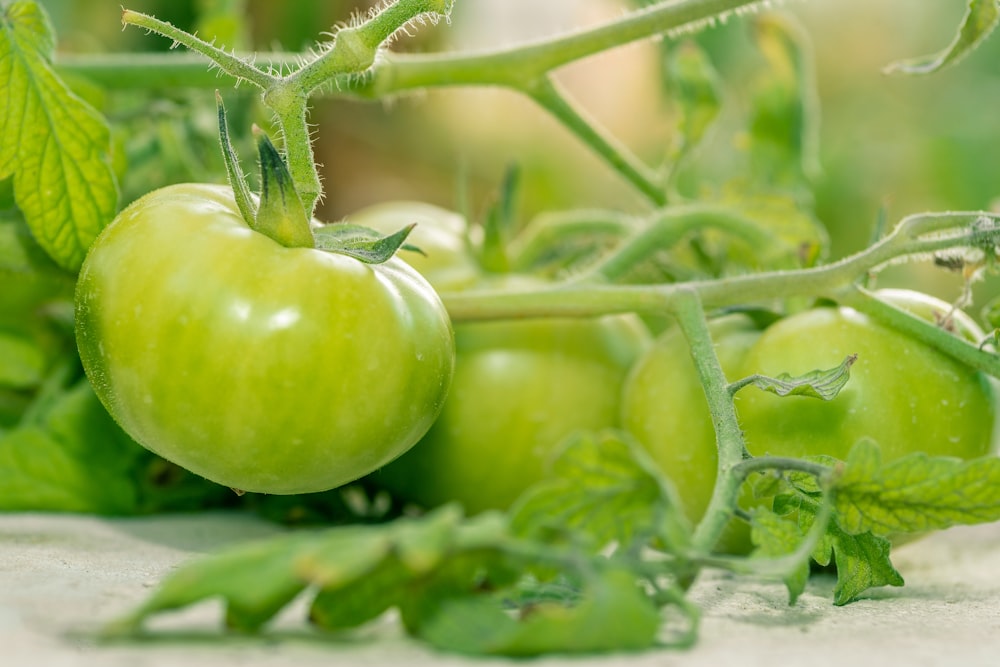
(906, 396)
(903, 394)
(520, 388)
(444, 258)
(264, 368)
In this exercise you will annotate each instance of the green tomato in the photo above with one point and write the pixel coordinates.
(264, 368)
(520, 388)
(905, 395)
(444, 258)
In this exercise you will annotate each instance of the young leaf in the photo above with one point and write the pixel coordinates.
(822, 384)
(862, 560)
(773, 535)
(916, 493)
(53, 143)
(602, 489)
(362, 243)
(980, 20)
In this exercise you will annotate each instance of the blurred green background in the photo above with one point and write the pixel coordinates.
(890, 145)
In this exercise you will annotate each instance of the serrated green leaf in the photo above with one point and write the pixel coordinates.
(862, 563)
(55, 145)
(980, 20)
(773, 535)
(916, 493)
(362, 243)
(613, 615)
(862, 560)
(822, 384)
(602, 489)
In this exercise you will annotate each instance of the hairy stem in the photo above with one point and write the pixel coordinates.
(692, 321)
(230, 64)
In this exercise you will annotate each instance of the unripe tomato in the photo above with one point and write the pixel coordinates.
(520, 388)
(905, 395)
(261, 367)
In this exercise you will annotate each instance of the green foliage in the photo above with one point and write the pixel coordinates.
(589, 559)
(604, 490)
(54, 144)
(822, 384)
(915, 494)
(980, 20)
(474, 585)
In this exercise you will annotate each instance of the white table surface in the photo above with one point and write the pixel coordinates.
(63, 576)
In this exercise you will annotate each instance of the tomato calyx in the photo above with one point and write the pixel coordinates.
(281, 214)
(361, 243)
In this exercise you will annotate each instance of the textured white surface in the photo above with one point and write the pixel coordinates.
(61, 577)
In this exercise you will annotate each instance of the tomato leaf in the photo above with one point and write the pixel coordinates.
(822, 384)
(980, 19)
(773, 535)
(54, 144)
(362, 243)
(916, 493)
(255, 580)
(862, 560)
(613, 615)
(22, 362)
(455, 582)
(602, 489)
(73, 458)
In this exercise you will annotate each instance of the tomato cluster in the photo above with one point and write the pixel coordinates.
(903, 394)
(289, 370)
(520, 387)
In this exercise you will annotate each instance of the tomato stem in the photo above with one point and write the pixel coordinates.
(691, 318)
(229, 63)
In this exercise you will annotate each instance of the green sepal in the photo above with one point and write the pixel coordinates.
(499, 224)
(237, 181)
(362, 243)
(281, 214)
